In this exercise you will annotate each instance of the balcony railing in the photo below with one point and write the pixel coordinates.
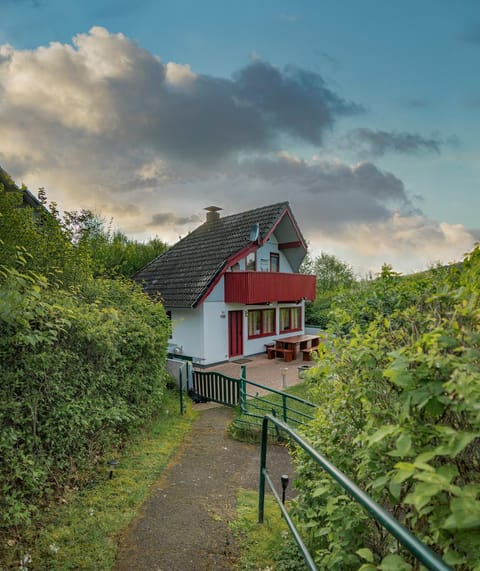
(267, 287)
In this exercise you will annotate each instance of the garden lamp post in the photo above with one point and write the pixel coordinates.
(284, 479)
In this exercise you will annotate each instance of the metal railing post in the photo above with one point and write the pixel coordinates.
(263, 466)
(243, 389)
(284, 404)
(243, 399)
(243, 374)
(180, 380)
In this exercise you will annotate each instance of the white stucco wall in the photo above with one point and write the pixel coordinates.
(215, 331)
(285, 266)
(218, 292)
(187, 332)
(263, 256)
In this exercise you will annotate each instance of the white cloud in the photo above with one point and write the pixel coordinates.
(105, 125)
(408, 243)
(180, 75)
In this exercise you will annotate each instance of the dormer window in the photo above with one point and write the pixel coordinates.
(250, 263)
(274, 262)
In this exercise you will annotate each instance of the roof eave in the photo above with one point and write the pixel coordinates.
(289, 213)
(218, 275)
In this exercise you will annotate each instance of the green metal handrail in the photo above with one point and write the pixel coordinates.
(271, 405)
(283, 407)
(423, 553)
(243, 377)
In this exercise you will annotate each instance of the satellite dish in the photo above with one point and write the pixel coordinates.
(254, 232)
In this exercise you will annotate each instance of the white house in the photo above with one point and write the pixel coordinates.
(232, 285)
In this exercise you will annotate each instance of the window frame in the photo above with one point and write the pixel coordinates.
(275, 256)
(263, 332)
(291, 310)
(249, 256)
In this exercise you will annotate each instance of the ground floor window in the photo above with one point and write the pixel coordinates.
(261, 322)
(290, 319)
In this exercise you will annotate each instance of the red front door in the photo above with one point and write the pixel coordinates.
(235, 333)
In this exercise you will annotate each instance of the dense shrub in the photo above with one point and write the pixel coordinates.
(79, 372)
(82, 359)
(399, 392)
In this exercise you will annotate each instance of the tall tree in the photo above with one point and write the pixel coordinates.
(71, 247)
(112, 253)
(332, 273)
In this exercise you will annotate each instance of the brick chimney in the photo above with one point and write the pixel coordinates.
(213, 213)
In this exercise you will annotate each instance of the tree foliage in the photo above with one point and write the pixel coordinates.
(70, 248)
(333, 275)
(111, 252)
(82, 358)
(398, 388)
(39, 232)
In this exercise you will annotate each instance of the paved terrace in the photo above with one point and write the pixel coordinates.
(262, 370)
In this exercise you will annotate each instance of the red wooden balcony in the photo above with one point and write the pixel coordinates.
(263, 287)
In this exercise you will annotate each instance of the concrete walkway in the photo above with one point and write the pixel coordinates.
(184, 524)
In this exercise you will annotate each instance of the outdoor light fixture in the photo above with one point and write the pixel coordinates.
(112, 464)
(284, 479)
(284, 377)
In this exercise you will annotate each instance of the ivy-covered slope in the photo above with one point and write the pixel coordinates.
(398, 388)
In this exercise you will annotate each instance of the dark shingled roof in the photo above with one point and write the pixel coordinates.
(183, 273)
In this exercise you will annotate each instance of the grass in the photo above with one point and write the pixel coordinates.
(267, 546)
(82, 531)
(258, 542)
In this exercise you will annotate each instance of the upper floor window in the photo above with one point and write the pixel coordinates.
(274, 262)
(250, 264)
(290, 319)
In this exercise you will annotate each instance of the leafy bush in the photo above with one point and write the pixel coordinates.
(398, 386)
(82, 360)
(79, 372)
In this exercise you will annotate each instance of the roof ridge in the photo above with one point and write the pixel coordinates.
(244, 212)
(189, 267)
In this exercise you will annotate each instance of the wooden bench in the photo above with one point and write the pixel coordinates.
(307, 353)
(270, 349)
(287, 354)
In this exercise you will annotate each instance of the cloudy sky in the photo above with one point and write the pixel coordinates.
(364, 114)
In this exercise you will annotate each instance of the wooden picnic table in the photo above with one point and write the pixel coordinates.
(297, 344)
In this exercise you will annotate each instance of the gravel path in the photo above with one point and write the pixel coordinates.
(184, 524)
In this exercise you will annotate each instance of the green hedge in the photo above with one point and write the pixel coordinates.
(398, 388)
(79, 371)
